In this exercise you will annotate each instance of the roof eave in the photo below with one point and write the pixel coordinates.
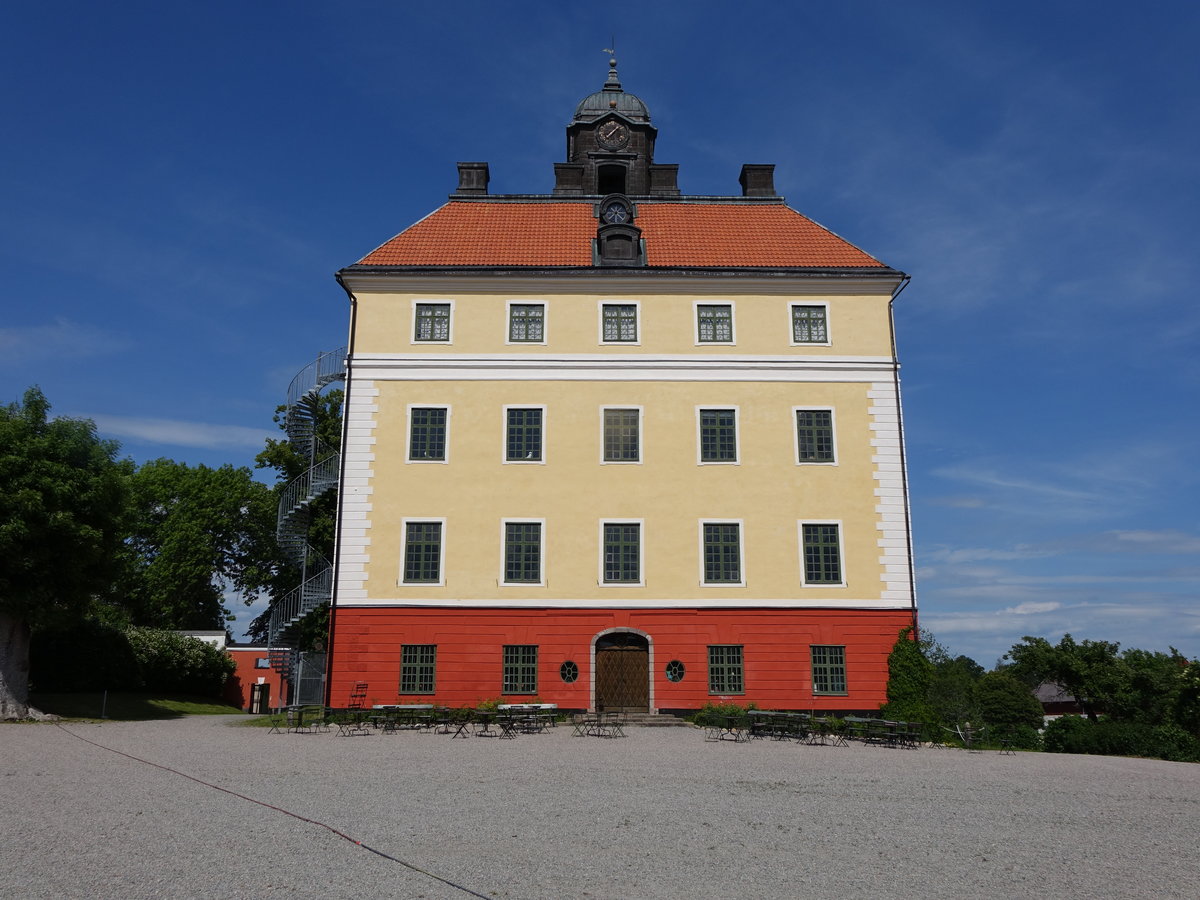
(883, 273)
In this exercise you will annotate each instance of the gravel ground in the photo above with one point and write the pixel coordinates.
(659, 814)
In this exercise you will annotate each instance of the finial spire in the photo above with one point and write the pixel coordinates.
(613, 83)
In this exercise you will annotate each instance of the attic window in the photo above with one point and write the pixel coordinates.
(610, 179)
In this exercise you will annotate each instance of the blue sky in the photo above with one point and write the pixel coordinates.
(179, 182)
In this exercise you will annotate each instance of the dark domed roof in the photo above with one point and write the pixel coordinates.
(611, 99)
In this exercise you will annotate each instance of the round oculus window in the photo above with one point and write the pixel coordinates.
(675, 670)
(568, 671)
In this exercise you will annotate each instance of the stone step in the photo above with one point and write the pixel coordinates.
(654, 720)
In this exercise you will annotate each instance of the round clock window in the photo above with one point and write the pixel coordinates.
(615, 214)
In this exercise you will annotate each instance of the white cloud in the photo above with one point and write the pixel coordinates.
(61, 340)
(178, 433)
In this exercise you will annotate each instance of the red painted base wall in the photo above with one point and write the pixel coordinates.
(366, 647)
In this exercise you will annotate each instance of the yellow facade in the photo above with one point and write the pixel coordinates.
(667, 375)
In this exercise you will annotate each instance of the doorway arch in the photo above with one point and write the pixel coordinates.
(622, 667)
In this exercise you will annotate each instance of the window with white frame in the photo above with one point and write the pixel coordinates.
(526, 323)
(619, 323)
(714, 323)
(718, 435)
(427, 433)
(622, 544)
(814, 436)
(522, 552)
(822, 552)
(621, 437)
(721, 547)
(432, 322)
(809, 325)
(422, 552)
(523, 433)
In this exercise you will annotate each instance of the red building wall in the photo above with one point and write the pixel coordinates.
(237, 687)
(367, 641)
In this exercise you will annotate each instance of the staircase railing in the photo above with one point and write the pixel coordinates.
(316, 578)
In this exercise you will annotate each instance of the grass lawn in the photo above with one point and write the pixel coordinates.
(129, 707)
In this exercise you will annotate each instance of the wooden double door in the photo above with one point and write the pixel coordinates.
(623, 672)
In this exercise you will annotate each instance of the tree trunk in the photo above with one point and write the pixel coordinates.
(14, 668)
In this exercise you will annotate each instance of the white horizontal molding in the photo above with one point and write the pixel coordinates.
(617, 367)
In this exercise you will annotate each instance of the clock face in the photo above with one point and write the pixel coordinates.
(615, 214)
(612, 135)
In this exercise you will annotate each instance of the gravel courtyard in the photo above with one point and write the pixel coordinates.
(659, 814)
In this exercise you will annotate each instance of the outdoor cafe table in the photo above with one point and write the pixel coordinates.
(406, 714)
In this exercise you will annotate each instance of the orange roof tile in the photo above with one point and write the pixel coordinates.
(692, 234)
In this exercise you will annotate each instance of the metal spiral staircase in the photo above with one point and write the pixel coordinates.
(295, 508)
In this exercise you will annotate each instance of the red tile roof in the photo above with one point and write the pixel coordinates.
(693, 234)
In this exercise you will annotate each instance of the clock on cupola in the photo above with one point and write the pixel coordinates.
(610, 148)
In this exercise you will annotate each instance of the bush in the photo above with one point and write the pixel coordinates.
(85, 656)
(1106, 737)
(177, 663)
(713, 713)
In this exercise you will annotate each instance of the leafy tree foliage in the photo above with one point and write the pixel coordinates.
(910, 674)
(195, 534)
(1137, 703)
(1087, 670)
(1009, 708)
(61, 513)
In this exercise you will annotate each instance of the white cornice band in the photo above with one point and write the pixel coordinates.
(599, 367)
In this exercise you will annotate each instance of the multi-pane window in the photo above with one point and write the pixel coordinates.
(808, 325)
(418, 664)
(433, 322)
(822, 554)
(714, 323)
(522, 552)
(520, 669)
(725, 669)
(718, 435)
(622, 552)
(526, 323)
(622, 440)
(422, 552)
(828, 669)
(523, 435)
(427, 433)
(814, 435)
(619, 322)
(722, 553)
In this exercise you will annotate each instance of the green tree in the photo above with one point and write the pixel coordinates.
(61, 511)
(1089, 671)
(952, 687)
(195, 534)
(1008, 707)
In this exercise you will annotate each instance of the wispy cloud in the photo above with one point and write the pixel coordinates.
(59, 340)
(179, 433)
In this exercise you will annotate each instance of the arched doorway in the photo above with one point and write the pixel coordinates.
(623, 671)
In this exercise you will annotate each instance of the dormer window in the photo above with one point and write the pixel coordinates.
(618, 242)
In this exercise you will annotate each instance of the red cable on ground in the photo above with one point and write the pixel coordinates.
(280, 809)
